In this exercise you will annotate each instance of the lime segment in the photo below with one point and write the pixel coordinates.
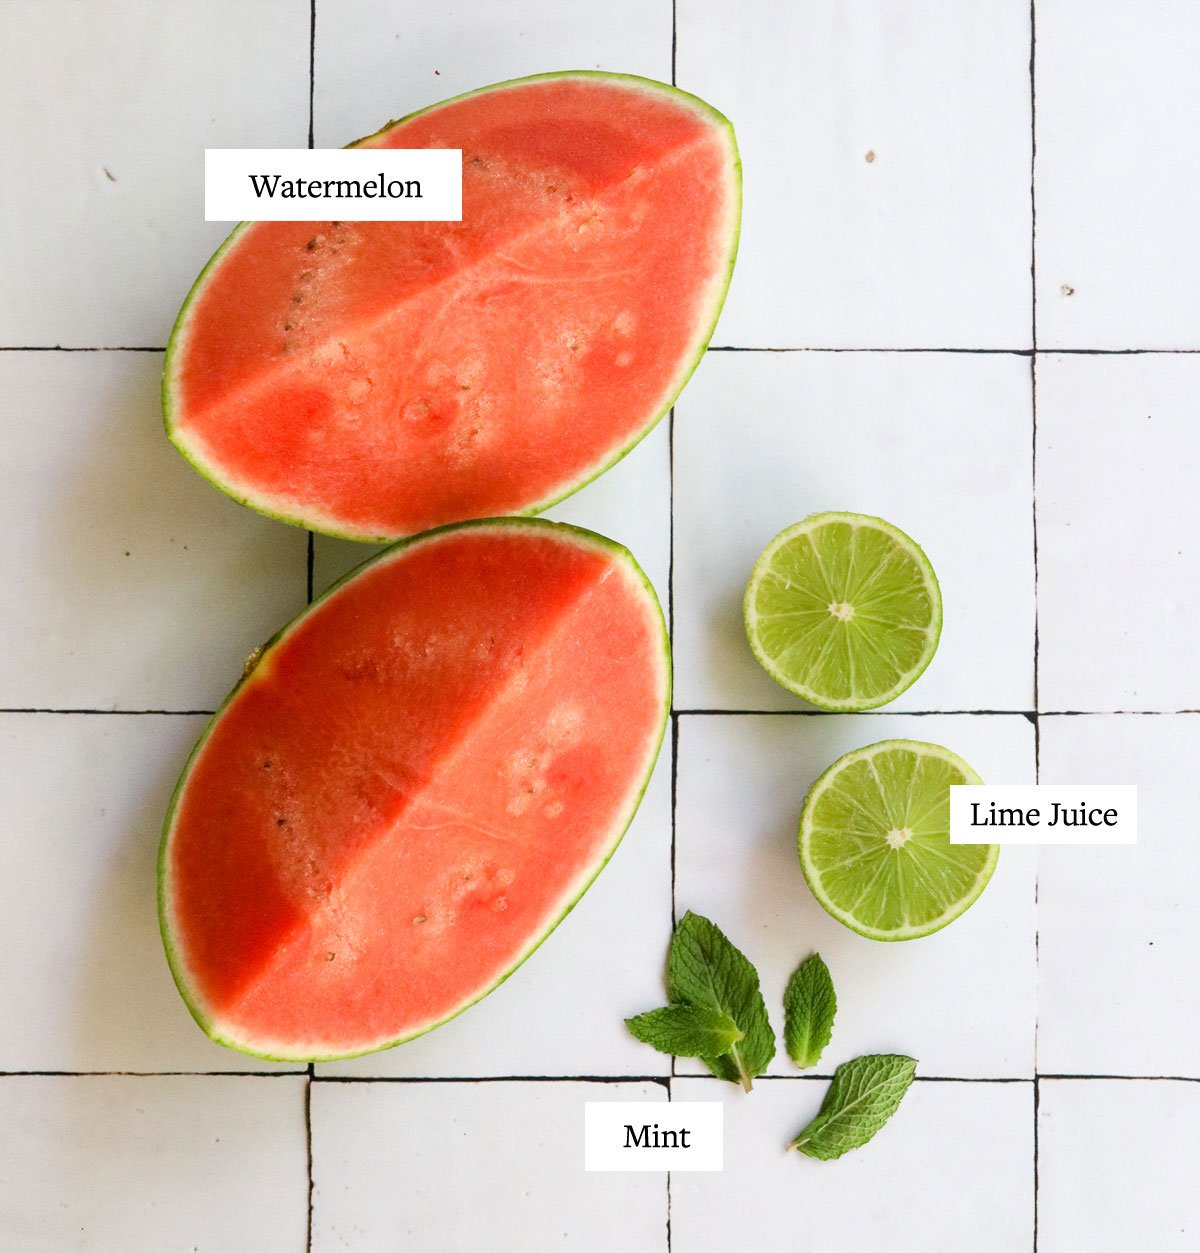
(844, 610)
(875, 841)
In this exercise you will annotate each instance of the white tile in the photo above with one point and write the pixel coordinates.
(376, 60)
(1118, 519)
(1117, 1166)
(86, 985)
(335, 558)
(952, 1172)
(886, 153)
(108, 108)
(563, 1011)
(961, 1000)
(496, 1166)
(939, 444)
(129, 581)
(107, 1162)
(1117, 198)
(630, 503)
(1117, 927)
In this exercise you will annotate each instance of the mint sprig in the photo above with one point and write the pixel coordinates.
(809, 1006)
(705, 969)
(864, 1094)
(686, 1030)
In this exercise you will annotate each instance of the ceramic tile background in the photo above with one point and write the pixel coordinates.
(1001, 354)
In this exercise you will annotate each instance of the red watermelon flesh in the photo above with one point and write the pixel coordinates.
(374, 379)
(412, 786)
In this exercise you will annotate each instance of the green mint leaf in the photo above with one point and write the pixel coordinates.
(704, 968)
(686, 1030)
(864, 1094)
(809, 1005)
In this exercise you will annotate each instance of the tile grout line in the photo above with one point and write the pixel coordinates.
(308, 1140)
(662, 1080)
(312, 67)
(114, 713)
(1037, 1096)
(1037, 705)
(86, 348)
(151, 1074)
(969, 352)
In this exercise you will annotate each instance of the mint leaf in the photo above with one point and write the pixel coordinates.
(809, 1005)
(864, 1094)
(686, 1030)
(704, 968)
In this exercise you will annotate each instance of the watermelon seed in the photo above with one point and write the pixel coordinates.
(266, 765)
(297, 297)
(330, 956)
(313, 244)
(281, 822)
(419, 918)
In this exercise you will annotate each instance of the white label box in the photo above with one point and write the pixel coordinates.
(333, 184)
(653, 1135)
(1044, 814)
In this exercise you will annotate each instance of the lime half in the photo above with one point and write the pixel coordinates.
(875, 841)
(844, 610)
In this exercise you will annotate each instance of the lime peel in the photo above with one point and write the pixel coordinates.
(843, 609)
(874, 842)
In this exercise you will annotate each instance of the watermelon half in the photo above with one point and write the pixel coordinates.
(412, 784)
(375, 379)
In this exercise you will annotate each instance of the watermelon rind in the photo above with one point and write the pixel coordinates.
(312, 520)
(174, 959)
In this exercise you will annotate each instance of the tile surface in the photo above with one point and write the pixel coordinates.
(562, 1012)
(1117, 992)
(115, 235)
(82, 800)
(131, 582)
(961, 1000)
(1116, 206)
(376, 60)
(887, 162)
(1117, 1166)
(938, 444)
(1118, 518)
(970, 1145)
(492, 1165)
(876, 215)
(102, 1162)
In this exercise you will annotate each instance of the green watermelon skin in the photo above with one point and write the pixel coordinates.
(302, 377)
(254, 943)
